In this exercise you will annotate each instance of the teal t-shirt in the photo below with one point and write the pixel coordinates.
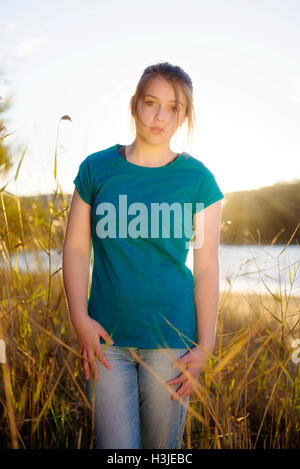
(142, 292)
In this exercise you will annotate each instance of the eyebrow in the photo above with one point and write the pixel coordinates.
(171, 101)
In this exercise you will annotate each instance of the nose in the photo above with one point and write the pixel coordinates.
(160, 113)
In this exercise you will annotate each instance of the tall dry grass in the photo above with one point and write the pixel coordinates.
(248, 396)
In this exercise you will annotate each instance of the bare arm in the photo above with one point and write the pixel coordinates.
(206, 275)
(76, 269)
(76, 257)
(206, 296)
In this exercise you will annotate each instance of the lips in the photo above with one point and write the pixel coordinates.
(157, 129)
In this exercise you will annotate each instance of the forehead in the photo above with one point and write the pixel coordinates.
(161, 89)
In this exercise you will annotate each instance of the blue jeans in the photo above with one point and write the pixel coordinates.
(132, 408)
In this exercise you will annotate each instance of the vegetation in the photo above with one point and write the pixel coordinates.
(247, 397)
(260, 216)
(5, 153)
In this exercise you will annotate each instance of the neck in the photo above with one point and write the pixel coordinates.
(144, 154)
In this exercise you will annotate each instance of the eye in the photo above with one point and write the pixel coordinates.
(174, 108)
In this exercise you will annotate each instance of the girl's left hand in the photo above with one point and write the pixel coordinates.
(194, 360)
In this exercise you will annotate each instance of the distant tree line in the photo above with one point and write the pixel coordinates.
(261, 216)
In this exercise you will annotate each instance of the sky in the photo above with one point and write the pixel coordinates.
(84, 60)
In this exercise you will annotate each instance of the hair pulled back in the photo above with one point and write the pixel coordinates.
(176, 77)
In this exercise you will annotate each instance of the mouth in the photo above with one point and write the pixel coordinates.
(157, 130)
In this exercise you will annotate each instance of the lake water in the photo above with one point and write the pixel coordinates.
(242, 268)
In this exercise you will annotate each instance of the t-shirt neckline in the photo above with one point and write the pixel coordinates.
(154, 169)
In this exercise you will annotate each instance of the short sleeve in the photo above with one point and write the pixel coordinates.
(208, 193)
(83, 182)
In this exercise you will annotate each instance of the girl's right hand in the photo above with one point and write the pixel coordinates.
(88, 333)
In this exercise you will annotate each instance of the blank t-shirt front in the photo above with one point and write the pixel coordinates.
(142, 292)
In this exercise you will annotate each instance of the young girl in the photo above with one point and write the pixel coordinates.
(140, 205)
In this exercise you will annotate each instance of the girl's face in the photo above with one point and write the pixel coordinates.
(157, 109)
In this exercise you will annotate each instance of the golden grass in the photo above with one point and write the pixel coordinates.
(248, 396)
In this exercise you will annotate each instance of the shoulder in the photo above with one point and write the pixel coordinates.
(99, 158)
(203, 180)
(198, 167)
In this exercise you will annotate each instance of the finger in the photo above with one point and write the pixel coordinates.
(102, 359)
(182, 396)
(181, 362)
(176, 394)
(92, 358)
(95, 369)
(105, 336)
(192, 378)
(182, 392)
(184, 376)
(85, 365)
(177, 380)
(81, 360)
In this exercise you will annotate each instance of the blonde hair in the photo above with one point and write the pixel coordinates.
(177, 77)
